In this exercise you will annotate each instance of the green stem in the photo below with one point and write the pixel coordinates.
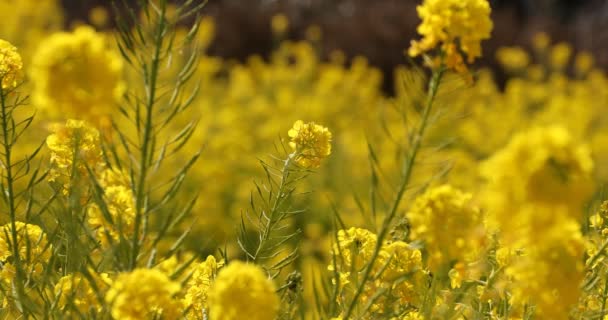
(407, 173)
(10, 195)
(140, 210)
(275, 207)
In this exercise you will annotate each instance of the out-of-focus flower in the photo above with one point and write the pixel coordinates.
(33, 247)
(143, 294)
(77, 75)
(76, 291)
(10, 65)
(449, 224)
(79, 136)
(242, 291)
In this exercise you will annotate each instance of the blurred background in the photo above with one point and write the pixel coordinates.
(381, 29)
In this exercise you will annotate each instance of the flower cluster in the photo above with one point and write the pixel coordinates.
(397, 272)
(81, 292)
(240, 290)
(455, 26)
(118, 199)
(143, 294)
(75, 149)
(451, 227)
(33, 248)
(77, 75)
(10, 66)
(310, 142)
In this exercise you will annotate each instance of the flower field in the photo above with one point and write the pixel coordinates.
(144, 178)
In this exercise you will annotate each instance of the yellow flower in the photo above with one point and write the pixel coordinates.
(311, 143)
(540, 169)
(197, 288)
(143, 294)
(33, 247)
(118, 198)
(242, 291)
(513, 58)
(76, 291)
(10, 65)
(448, 223)
(455, 26)
(279, 23)
(74, 135)
(76, 75)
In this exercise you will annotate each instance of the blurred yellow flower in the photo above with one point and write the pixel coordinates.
(143, 294)
(240, 291)
(33, 247)
(10, 65)
(451, 227)
(76, 74)
(76, 291)
(75, 135)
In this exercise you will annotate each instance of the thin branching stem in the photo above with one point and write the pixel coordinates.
(9, 194)
(272, 219)
(407, 173)
(146, 149)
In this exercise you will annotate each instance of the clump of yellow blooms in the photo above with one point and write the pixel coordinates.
(77, 75)
(118, 198)
(10, 65)
(32, 245)
(548, 162)
(448, 223)
(76, 291)
(197, 287)
(310, 142)
(242, 290)
(143, 294)
(528, 238)
(457, 27)
(398, 271)
(76, 141)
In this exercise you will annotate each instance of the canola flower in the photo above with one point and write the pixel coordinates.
(456, 27)
(538, 178)
(310, 142)
(75, 149)
(143, 294)
(76, 291)
(77, 75)
(33, 248)
(242, 290)
(398, 272)
(448, 223)
(197, 287)
(10, 66)
(118, 199)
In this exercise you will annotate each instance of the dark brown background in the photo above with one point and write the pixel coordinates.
(382, 29)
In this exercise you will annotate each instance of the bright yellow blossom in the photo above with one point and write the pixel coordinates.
(242, 291)
(456, 26)
(143, 294)
(76, 291)
(33, 247)
(197, 288)
(10, 65)
(78, 136)
(310, 142)
(77, 75)
(449, 224)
